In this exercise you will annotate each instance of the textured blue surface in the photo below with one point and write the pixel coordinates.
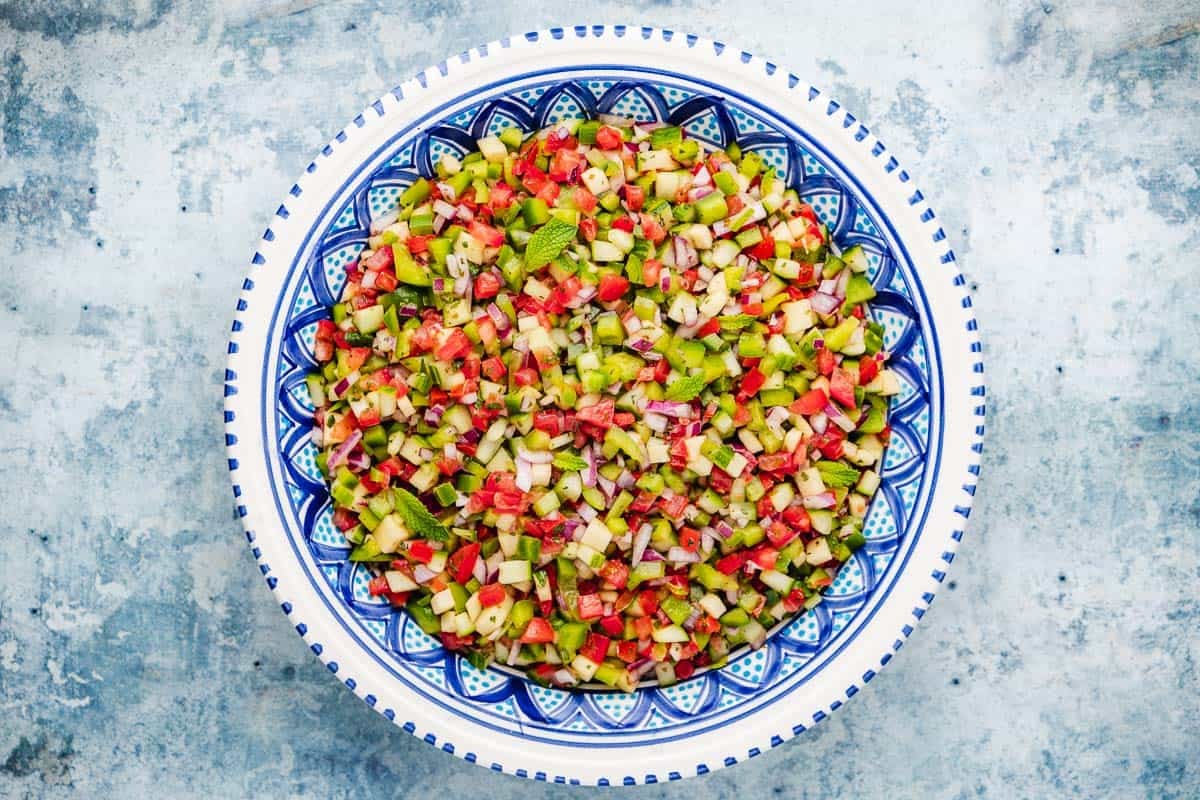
(142, 146)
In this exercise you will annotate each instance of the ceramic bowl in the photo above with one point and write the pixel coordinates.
(810, 666)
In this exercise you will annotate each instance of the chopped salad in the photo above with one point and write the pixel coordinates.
(601, 403)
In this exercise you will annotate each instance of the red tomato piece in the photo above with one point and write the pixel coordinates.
(462, 562)
(608, 138)
(841, 388)
(689, 539)
(595, 648)
(486, 285)
(590, 606)
(612, 287)
(538, 631)
(811, 402)
(492, 594)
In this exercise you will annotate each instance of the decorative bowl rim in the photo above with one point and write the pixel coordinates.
(888, 181)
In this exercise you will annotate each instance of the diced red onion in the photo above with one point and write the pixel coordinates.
(723, 529)
(656, 422)
(685, 253)
(439, 223)
(641, 345)
(670, 408)
(513, 654)
(423, 574)
(444, 209)
(819, 422)
(465, 214)
(822, 500)
(702, 178)
(472, 436)
(368, 279)
(342, 450)
(586, 512)
(651, 554)
(537, 456)
(407, 311)
(823, 303)
(479, 571)
(828, 286)
(625, 479)
(501, 320)
(758, 637)
(564, 677)
(682, 556)
(524, 475)
(433, 414)
(447, 191)
(439, 284)
(843, 280)
(317, 437)
(697, 192)
(590, 475)
(838, 418)
(608, 487)
(462, 286)
(664, 281)
(358, 461)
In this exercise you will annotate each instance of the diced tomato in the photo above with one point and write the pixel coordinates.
(420, 550)
(735, 204)
(377, 586)
(344, 519)
(608, 138)
(868, 368)
(612, 287)
(549, 421)
(613, 625)
(454, 344)
(453, 642)
(596, 647)
(732, 563)
(357, 356)
(627, 651)
(491, 237)
(584, 200)
(776, 462)
(418, 244)
(689, 539)
(500, 196)
(841, 388)
(751, 383)
(811, 402)
(648, 601)
(652, 229)
(643, 627)
(615, 573)
(764, 249)
(462, 562)
(538, 631)
(566, 166)
(513, 502)
(764, 556)
(794, 600)
(588, 227)
(635, 196)
(380, 260)
(623, 224)
(486, 285)
(684, 670)
(798, 518)
(825, 361)
(525, 377)
(492, 594)
(780, 534)
(673, 506)
(651, 271)
(600, 414)
(493, 369)
(549, 192)
(590, 606)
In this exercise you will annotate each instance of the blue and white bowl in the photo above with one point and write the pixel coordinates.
(809, 667)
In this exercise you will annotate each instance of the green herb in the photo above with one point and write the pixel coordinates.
(685, 389)
(569, 462)
(835, 473)
(547, 242)
(417, 518)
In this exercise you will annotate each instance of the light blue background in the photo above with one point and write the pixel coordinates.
(143, 144)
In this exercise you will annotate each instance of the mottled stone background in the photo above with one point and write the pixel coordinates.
(144, 143)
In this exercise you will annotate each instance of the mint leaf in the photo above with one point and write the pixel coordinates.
(417, 518)
(835, 473)
(685, 389)
(569, 462)
(547, 242)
